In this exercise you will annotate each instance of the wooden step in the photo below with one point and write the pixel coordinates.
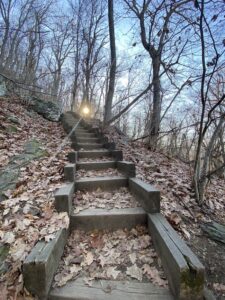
(85, 134)
(82, 131)
(89, 146)
(105, 183)
(100, 290)
(99, 165)
(113, 219)
(116, 154)
(88, 140)
(93, 154)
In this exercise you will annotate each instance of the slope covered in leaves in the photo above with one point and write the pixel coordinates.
(27, 213)
(174, 180)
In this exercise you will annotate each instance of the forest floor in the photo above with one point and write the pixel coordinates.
(27, 213)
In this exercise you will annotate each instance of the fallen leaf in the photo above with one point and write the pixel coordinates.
(134, 272)
(112, 272)
(8, 238)
(133, 257)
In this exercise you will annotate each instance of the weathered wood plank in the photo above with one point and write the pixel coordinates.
(99, 165)
(63, 198)
(72, 157)
(146, 194)
(108, 219)
(41, 264)
(93, 154)
(69, 172)
(110, 290)
(184, 271)
(127, 168)
(105, 183)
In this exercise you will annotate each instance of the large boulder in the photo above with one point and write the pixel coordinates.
(49, 110)
(10, 174)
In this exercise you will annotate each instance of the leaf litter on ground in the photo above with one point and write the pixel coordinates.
(120, 198)
(28, 215)
(97, 173)
(112, 255)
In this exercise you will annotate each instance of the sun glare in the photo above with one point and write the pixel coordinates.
(86, 110)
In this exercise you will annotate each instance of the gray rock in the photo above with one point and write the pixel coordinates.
(49, 110)
(9, 176)
(14, 120)
(3, 89)
(3, 254)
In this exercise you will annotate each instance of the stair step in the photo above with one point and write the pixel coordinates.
(94, 154)
(84, 134)
(99, 165)
(91, 219)
(90, 146)
(120, 290)
(105, 183)
(88, 140)
(82, 129)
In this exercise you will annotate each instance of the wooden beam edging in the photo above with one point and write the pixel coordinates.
(105, 183)
(117, 154)
(92, 219)
(69, 172)
(63, 198)
(98, 165)
(184, 271)
(146, 194)
(72, 156)
(127, 168)
(41, 264)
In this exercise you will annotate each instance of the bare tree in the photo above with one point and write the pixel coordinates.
(112, 75)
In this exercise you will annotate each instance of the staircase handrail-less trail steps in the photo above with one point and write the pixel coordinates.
(184, 271)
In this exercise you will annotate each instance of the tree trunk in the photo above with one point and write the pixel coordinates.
(156, 112)
(112, 75)
(203, 176)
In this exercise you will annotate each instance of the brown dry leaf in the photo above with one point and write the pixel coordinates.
(133, 257)
(219, 287)
(75, 269)
(18, 250)
(89, 258)
(174, 218)
(153, 274)
(103, 260)
(112, 272)
(88, 281)
(49, 237)
(134, 272)
(9, 238)
(65, 278)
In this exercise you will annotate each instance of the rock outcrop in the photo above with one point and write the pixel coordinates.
(48, 109)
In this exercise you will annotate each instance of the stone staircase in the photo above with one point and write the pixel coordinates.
(93, 152)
